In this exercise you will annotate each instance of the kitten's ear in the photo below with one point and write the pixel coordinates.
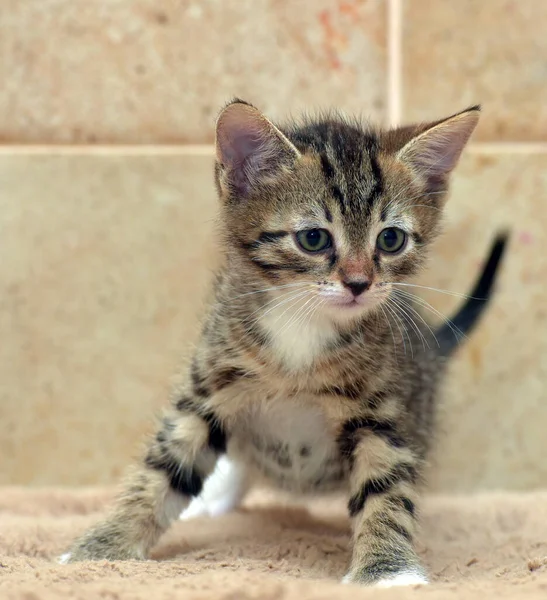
(249, 149)
(434, 152)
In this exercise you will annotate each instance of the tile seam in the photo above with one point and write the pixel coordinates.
(394, 62)
(208, 149)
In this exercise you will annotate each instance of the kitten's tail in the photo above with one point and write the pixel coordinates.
(448, 335)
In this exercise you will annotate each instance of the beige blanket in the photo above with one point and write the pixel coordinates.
(492, 546)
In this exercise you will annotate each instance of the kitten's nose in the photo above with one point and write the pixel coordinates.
(356, 287)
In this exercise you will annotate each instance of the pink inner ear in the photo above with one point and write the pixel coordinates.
(237, 139)
(437, 151)
(249, 146)
(439, 154)
(242, 131)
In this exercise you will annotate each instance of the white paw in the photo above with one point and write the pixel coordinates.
(397, 580)
(402, 579)
(196, 508)
(222, 491)
(64, 558)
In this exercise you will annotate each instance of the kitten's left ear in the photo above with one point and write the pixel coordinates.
(250, 150)
(435, 152)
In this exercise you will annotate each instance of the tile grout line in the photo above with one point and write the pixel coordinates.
(207, 150)
(394, 67)
(507, 148)
(108, 149)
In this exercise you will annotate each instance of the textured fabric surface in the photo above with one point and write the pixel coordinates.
(474, 547)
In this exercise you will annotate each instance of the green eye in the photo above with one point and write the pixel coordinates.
(314, 240)
(391, 240)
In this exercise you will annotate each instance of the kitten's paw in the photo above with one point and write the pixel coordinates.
(400, 579)
(106, 541)
(222, 492)
(98, 552)
(64, 559)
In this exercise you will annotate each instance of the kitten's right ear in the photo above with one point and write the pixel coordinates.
(249, 149)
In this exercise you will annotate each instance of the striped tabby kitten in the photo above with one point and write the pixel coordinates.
(312, 371)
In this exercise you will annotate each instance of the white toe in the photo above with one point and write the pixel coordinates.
(397, 580)
(402, 579)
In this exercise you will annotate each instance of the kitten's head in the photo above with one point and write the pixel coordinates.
(330, 210)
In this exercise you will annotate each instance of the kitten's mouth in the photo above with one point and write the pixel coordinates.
(349, 304)
(355, 304)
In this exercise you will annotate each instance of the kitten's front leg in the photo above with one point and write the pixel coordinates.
(384, 479)
(172, 472)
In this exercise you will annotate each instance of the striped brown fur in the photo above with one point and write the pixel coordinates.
(304, 375)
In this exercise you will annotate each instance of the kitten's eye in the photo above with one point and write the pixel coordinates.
(314, 240)
(391, 240)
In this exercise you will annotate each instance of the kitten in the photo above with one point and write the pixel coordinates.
(309, 372)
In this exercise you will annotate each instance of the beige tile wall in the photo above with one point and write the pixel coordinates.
(146, 71)
(492, 52)
(107, 212)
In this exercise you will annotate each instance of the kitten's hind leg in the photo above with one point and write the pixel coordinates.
(223, 491)
(177, 462)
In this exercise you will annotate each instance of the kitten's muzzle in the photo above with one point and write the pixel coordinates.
(356, 287)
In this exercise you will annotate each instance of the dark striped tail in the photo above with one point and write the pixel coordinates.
(469, 314)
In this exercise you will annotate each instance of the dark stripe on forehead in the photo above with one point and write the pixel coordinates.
(328, 169)
(351, 150)
(329, 172)
(339, 197)
(378, 186)
(312, 135)
(377, 177)
(346, 153)
(347, 146)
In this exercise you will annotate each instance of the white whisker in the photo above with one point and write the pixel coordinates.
(453, 327)
(306, 320)
(280, 317)
(406, 319)
(447, 292)
(404, 310)
(281, 302)
(271, 289)
(390, 329)
(398, 322)
(294, 319)
(409, 305)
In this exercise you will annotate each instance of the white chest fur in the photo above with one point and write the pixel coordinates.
(299, 335)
